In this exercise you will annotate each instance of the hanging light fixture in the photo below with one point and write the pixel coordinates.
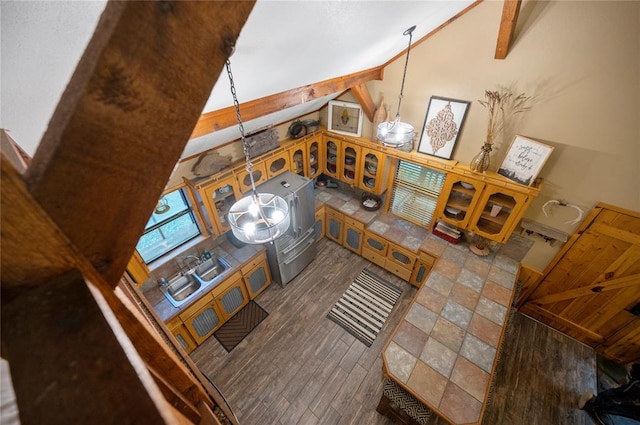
(259, 217)
(162, 206)
(396, 133)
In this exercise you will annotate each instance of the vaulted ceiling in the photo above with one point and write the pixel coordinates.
(290, 59)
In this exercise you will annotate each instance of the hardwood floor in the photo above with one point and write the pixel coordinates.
(298, 367)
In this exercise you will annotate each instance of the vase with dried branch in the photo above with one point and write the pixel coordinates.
(499, 103)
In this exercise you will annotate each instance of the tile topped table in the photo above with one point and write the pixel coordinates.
(444, 351)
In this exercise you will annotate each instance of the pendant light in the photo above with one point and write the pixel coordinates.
(162, 206)
(259, 217)
(396, 133)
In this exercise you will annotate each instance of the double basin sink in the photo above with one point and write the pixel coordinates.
(201, 278)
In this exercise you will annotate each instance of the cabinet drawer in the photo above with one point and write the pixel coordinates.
(374, 257)
(375, 243)
(175, 322)
(186, 314)
(252, 263)
(228, 282)
(401, 257)
(426, 258)
(399, 271)
(352, 222)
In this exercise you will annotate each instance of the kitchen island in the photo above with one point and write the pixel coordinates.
(444, 351)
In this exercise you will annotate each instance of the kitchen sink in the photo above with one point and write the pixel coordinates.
(204, 276)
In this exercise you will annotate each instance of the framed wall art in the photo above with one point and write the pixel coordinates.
(442, 126)
(524, 160)
(345, 118)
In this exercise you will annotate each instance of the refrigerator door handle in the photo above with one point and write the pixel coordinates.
(310, 232)
(292, 213)
(291, 260)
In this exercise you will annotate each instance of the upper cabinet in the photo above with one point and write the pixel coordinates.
(498, 213)
(218, 197)
(314, 157)
(259, 176)
(458, 198)
(332, 158)
(373, 171)
(350, 170)
(299, 161)
(277, 164)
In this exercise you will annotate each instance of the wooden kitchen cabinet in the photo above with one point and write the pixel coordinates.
(350, 169)
(181, 333)
(497, 213)
(353, 234)
(332, 158)
(315, 157)
(400, 261)
(298, 154)
(373, 172)
(278, 164)
(256, 275)
(423, 265)
(318, 224)
(202, 318)
(259, 176)
(458, 199)
(218, 197)
(232, 297)
(334, 225)
(374, 248)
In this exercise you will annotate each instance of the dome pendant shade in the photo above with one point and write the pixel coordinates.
(259, 218)
(395, 133)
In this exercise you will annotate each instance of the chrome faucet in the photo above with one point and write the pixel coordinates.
(191, 257)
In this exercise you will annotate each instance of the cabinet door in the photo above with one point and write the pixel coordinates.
(421, 269)
(334, 225)
(497, 213)
(314, 157)
(277, 164)
(257, 279)
(259, 176)
(400, 261)
(374, 248)
(332, 158)
(372, 172)
(218, 197)
(184, 337)
(458, 198)
(298, 159)
(204, 322)
(232, 299)
(353, 234)
(350, 163)
(318, 225)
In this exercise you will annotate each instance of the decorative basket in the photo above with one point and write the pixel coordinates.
(371, 202)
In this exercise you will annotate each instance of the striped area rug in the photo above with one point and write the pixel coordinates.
(365, 306)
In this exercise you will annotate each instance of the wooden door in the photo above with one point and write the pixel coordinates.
(591, 290)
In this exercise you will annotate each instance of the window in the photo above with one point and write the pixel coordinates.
(415, 192)
(171, 225)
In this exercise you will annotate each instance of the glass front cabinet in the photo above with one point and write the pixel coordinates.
(497, 213)
(298, 159)
(372, 172)
(218, 197)
(314, 157)
(350, 170)
(460, 196)
(332, 162)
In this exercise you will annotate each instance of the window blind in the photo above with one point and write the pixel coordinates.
(415, 192)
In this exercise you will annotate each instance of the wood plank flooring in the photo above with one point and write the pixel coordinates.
(298, 367)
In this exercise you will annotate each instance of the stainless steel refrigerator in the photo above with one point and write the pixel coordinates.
(292, 252)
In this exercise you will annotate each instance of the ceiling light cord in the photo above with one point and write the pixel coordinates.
(408, 32)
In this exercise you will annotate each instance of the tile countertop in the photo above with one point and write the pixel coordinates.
(444, 350)
(236, 257)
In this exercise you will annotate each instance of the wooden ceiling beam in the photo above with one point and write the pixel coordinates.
(508, 22)
(223, 118)
(365, 100)
(125, 118)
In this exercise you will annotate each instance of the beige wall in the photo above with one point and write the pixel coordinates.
(581, 63)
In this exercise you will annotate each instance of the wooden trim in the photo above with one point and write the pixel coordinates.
(537, 312)
(107, 120)
(364, 99)
(529, 278)
(508, 22)
(605, 286)
(620, 210)
(616, 233)
(226, 117)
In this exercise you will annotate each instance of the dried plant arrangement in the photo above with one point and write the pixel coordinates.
(499, 103)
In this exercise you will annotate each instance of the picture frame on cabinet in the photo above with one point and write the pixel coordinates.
(524, 160)
(345, 118)
(442, 126)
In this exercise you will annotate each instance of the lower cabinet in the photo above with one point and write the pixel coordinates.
(232, 299)
(421, 269)
(400, 261)
(334, 225)
(318, 225)
(202, 319)
(181, 333)
(256, 275)
(374, 248)
(353, 234)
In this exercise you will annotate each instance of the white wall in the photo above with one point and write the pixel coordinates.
(580, 60)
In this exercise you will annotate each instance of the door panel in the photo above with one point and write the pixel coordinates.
(589, 290)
